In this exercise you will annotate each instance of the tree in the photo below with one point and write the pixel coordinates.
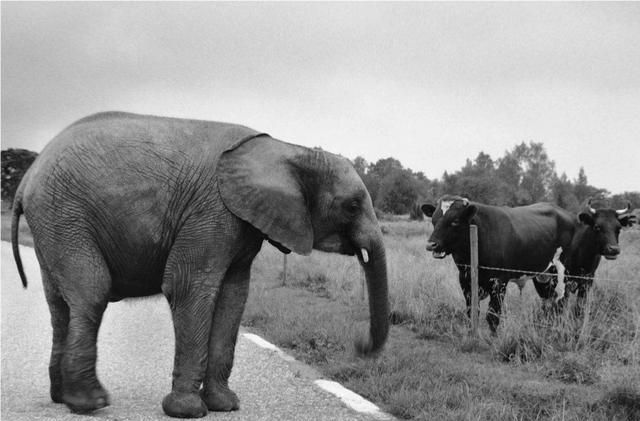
(397, 193)
(15, 163)
(477, 180)
(509, 174)
(563, 194)
(621, 200)
(527, 174)
(360, 165)
(584, 191)
(539, 172)
(522, 176)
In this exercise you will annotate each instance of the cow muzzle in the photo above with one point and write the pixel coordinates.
(436, 250)
(611, 252)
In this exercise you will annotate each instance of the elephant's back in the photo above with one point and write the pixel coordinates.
(189, 136)
(125, 165)
(130, 141)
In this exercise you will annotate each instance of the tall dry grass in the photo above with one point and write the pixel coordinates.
(600, 351)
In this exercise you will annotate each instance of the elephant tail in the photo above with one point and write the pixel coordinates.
(15, 225)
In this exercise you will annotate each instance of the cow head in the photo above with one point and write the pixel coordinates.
(450, 218)
(605, 225)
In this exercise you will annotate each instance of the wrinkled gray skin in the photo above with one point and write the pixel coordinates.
(123, 205)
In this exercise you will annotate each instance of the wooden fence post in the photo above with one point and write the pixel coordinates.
(473, 236)
(284, 270)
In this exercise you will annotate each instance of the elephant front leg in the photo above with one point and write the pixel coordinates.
(224, 332)
(191, 291)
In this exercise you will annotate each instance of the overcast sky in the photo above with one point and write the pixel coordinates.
(430, 84)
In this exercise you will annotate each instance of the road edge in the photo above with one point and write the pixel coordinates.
(350, 398)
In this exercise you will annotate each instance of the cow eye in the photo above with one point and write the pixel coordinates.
(455, 223)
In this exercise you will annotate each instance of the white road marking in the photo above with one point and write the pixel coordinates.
(268, 345)
(353, 400)
(350, 398)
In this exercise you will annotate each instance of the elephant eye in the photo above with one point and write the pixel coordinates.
(352, 207)
(596, 227)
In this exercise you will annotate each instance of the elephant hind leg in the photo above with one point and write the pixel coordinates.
(81, 297)
(60, 323)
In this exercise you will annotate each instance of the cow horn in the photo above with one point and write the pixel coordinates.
(623, 211)
(592, 210)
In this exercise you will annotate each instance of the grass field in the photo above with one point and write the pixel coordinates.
(536, 368)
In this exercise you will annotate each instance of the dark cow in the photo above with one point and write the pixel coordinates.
(596, 235)
(522, 239)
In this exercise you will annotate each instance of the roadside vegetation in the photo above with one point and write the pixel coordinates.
(536, 368)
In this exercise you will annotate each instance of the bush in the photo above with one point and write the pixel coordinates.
(15, 163)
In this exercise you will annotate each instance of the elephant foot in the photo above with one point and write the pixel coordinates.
(82, 401)
(56, 394)
(184, 405)
(220, 398)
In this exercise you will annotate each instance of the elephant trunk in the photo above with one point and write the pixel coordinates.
(375, 270)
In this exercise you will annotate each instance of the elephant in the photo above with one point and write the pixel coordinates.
(124, 205)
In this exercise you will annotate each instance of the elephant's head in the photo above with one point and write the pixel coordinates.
(303, 199)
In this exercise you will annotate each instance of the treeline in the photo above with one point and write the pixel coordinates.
(522, 176)
(15, 162)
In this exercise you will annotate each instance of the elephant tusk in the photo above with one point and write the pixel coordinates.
(365, 255)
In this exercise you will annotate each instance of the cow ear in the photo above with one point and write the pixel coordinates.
(469, 212)
(428, 209)
(627, 220)
(586, 218)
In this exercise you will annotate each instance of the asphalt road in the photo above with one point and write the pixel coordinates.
(135, 356)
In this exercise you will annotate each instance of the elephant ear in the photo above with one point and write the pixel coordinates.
(258, 184)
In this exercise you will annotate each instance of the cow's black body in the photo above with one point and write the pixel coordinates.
(594, 238)
(511, 242)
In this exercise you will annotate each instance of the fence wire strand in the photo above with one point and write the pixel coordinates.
(533, 274)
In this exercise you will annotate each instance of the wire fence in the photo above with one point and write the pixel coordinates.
(560, 275)
(583, 335)
(532, 274)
